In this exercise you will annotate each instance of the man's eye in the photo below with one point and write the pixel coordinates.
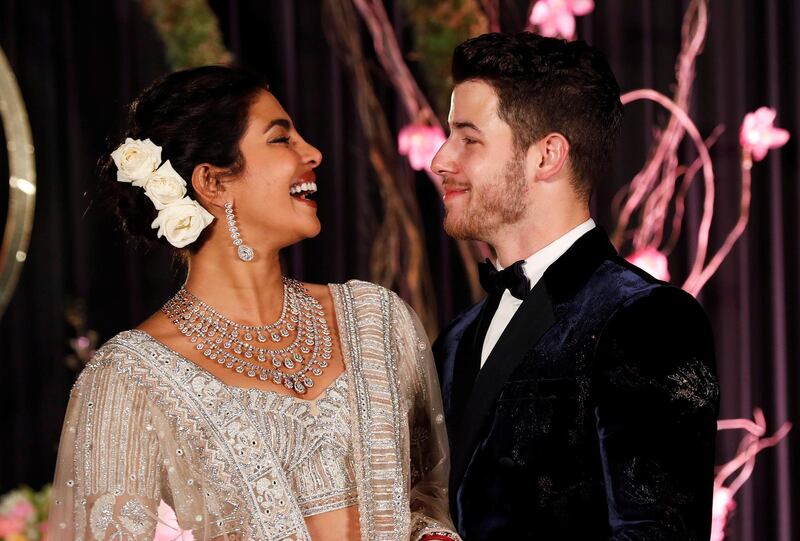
(468, 141)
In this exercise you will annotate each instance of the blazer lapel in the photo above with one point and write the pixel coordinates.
(531, 321)
(467, 363)
(446, 351)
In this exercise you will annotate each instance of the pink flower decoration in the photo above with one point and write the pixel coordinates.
(758, 133)
(420, 143)
(723, 505)
(168, 528)
(651, 261)
(23, 510)
(557, 17)
(11, 526)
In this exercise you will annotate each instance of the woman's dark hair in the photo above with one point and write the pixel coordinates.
(549, 85)
(196, 116)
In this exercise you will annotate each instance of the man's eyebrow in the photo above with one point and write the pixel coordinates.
(465, 125)
(282, 122)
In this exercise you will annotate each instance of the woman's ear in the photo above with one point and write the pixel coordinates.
(208, 186)
(550, 153)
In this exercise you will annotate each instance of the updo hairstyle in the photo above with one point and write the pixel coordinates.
(197, 116)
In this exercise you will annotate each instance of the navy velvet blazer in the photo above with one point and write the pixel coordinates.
(594, 416)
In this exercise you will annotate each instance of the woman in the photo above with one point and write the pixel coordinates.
(256, 406)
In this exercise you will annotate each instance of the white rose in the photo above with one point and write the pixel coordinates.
(182, 222)
(165, 186)
(136, 160)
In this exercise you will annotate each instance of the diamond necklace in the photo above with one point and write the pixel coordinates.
(239, 348)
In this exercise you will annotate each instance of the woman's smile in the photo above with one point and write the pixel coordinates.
(305, 189)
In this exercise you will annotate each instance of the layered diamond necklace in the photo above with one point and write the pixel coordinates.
(242, 348)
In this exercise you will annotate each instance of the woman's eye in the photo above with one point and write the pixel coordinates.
(280, 140)
(468, 141)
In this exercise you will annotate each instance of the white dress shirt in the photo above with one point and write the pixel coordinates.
(534, 267)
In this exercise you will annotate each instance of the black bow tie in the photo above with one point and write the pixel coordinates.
(511, 278)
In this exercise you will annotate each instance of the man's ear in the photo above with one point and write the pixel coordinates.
(548, 155)
(208, 185)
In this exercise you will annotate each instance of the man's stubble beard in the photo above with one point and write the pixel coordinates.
(497, 204)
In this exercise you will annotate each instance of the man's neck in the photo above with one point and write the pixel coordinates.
(521, 241)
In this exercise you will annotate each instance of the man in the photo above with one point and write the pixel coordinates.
(580, 396)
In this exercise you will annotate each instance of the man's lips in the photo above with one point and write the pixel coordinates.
(454, 191)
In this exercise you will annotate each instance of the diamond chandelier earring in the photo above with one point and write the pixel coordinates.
(244, 252)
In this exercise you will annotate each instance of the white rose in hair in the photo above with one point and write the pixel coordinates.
(182, 222)
(136, 160)
(165, 186)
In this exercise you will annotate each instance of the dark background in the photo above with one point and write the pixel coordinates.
(79, 63)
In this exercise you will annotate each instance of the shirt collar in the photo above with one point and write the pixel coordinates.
(536, 264)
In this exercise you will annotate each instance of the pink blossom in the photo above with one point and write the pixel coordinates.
(652, 261)
(758, 133)
(420, 143)
(168, 528)
(11, 526)
(723, 505)
(23, 510)
(557, 17)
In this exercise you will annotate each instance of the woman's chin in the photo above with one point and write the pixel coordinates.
(310, 229)
(315, 231)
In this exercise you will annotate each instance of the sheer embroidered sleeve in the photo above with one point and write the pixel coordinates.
(151, 449)
(107, 482)
(428, 447)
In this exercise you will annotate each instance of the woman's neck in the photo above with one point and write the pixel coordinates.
(250, 293)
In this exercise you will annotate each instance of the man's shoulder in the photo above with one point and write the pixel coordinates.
(636, 303)
(637, 284)
(620, 282)
(617, 288)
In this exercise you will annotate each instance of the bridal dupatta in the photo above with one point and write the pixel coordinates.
(144, 424)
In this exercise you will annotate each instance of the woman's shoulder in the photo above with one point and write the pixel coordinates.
(360, 292)
(126, 351)
(128, 343)
(367, 299)
(363, 287)
(403, 319)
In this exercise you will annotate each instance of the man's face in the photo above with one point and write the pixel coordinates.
(483, 175)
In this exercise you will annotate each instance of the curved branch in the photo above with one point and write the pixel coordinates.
(708, 172)
(694, 28)
(695, 282)
(688, 178)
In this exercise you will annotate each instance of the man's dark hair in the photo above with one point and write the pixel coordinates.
(547, 85)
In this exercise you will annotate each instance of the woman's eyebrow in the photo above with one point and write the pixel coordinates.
(282, 122)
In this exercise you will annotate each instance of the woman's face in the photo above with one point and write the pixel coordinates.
(270, 195)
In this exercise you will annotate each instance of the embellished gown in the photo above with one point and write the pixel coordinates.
(145, 424)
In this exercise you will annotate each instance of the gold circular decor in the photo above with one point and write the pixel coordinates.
(21, 182)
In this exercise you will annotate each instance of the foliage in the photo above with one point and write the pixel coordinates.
(438, 28)
(190, 31)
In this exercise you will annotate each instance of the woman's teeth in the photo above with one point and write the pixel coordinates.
(303, 189)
